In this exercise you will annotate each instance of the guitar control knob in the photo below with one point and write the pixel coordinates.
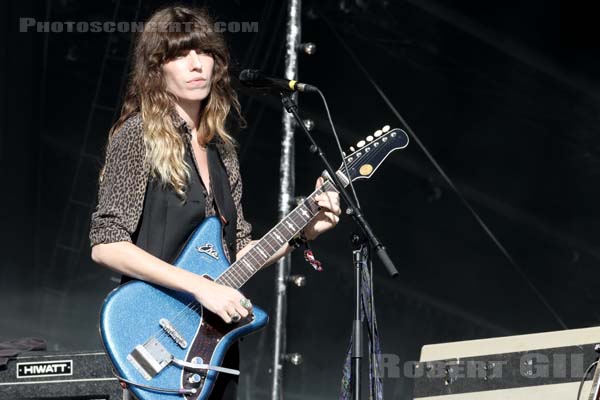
(385, 128)
(378, 133)
(369, 138)
(196, 378)
(361, 143)
(197, 360)
(352, 149)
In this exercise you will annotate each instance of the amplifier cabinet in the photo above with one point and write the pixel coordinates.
(542, 366)
(57, 375)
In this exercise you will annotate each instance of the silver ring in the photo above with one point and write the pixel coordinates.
(235, 318)
(246, 303)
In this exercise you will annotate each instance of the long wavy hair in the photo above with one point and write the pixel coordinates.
(170, 32)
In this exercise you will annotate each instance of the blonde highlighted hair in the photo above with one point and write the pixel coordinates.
(147, 94)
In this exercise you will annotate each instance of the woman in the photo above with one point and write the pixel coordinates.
(170, 163)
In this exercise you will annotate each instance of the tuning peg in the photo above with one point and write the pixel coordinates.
(361, 143)
(343, 154)
(378, 133)
(352, 149)
(369, 138)
(385, 128)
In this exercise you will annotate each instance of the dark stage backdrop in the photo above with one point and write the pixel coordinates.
(504, 95)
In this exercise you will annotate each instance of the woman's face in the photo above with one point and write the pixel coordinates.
(189, 76)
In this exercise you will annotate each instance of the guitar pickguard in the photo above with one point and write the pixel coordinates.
(213, 340)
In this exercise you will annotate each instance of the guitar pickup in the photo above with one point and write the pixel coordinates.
(150, 358)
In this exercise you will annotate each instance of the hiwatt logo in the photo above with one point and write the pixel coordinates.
(44, 368)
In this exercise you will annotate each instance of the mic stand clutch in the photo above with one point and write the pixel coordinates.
(360, 253)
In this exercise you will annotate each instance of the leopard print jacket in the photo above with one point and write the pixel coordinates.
(122, 186)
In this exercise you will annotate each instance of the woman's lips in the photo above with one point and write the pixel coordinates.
(197, 82)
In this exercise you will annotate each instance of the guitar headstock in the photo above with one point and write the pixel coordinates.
(368, 154)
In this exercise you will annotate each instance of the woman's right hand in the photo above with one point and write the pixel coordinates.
(222, 300)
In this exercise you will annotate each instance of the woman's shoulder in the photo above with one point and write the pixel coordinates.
(131, 128)
(127, 140)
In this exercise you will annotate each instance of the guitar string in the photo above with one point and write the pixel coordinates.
(194, 306)
(316, 192)
(367, 157)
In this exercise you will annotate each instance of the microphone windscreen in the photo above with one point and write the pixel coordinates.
(250, 75)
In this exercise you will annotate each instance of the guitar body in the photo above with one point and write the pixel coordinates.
(171, 323)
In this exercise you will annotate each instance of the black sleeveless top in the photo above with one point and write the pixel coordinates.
(167, 221)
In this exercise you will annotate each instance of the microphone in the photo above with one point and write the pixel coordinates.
(254, 78)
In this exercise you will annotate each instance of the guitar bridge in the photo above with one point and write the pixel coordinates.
(150, 358)
(170, 330)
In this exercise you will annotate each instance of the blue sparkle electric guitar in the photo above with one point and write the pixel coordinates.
(162, 343)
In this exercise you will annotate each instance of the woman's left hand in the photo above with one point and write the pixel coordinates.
(328, 217)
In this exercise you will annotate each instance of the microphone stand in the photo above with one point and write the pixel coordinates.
(360, 258)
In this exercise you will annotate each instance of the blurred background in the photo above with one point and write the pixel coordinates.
(505, 96)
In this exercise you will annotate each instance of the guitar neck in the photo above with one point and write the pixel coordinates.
(244, 268)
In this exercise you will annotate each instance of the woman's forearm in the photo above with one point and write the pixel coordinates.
(128, 259)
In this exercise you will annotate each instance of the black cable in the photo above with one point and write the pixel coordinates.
(450, 183)
(371, 325)
(337, 140)
(587, 371)
(153, 388)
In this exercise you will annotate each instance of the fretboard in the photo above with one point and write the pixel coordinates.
(244, 268)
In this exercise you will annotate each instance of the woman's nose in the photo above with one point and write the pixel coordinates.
(195, 62)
